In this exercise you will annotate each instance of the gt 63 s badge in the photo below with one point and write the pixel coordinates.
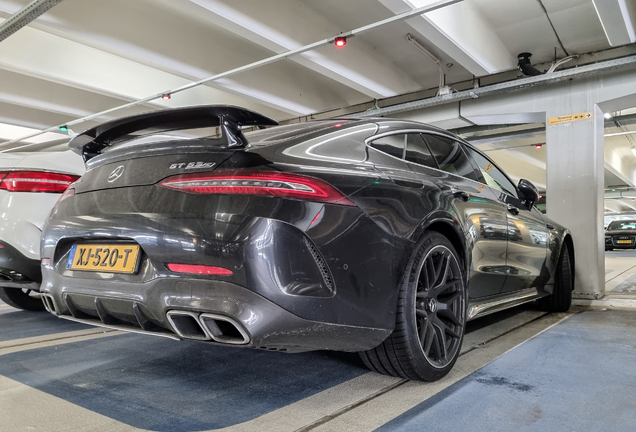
(192, 165)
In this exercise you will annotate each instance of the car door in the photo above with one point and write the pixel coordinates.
(481, 215)
(527, 231)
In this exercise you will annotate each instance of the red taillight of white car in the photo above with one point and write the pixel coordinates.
(35, 181)
(250, 182)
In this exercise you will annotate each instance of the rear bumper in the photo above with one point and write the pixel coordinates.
(17, 270)
(144, 308)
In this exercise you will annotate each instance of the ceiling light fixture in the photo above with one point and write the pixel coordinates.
(341, 41)
(634, 150)
(607, 115)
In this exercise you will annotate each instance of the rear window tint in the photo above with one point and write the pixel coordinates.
(392, 145)
(450, 156)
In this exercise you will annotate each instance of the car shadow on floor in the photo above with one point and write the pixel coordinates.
(164, 385)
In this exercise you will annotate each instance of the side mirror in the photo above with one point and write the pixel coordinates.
(529, 192)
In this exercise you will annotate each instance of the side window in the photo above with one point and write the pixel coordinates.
(392, 144)
(492, 175)
(450, 157)
(417, 151)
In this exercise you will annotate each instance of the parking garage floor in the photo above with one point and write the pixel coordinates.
(519, 370)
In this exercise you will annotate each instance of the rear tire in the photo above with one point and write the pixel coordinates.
(561, 298)
(21, 299)
(430, 317)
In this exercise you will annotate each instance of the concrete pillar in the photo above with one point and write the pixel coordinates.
(575, 183)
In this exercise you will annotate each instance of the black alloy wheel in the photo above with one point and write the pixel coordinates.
(430, 318)
(439, 307)
(22, 298)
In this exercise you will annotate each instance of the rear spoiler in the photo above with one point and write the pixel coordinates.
(91, 142)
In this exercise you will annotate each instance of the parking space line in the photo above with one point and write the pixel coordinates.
(379, 410)
(54, 339)
(49, 412)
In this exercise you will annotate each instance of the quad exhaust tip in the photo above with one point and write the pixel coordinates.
(205, 327)
(186, 324)
(49, 303)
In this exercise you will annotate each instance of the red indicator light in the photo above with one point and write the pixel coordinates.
(199, 269)
(338, 125)
(341, 41)
(166, 96)
(538, 146)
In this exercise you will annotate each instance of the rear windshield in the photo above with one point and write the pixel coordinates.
(622, 225)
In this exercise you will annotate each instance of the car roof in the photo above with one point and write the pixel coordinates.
(295, 131)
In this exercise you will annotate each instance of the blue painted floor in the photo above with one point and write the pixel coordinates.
(578, 376)
(17, 324)
(164, 385)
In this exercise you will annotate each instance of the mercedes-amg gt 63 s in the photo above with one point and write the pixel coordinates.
(375, 235)
(620, 235)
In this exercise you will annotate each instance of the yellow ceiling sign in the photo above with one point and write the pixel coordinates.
(570, 118)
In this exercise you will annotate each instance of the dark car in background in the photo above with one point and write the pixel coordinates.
(375, 236)
(620, 234)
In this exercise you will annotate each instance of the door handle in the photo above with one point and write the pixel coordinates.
(512, 209)
(460, 194)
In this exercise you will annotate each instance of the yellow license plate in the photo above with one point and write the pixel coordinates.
(624, 241)
(110, 258)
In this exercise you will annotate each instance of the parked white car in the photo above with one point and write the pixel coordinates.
(30, 184)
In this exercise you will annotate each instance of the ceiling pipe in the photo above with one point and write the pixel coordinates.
(24, 16)
(443, 89)
(396, 18)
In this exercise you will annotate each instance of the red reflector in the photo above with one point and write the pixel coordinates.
(36, 181)
(199, 269)
(248, 182)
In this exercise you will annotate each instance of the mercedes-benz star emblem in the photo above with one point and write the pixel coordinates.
(432, 305)
(117, 172)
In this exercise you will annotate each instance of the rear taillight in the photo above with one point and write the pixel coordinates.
(35, 181)
(247, 182)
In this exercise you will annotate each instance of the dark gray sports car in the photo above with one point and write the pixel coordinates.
(377, 236)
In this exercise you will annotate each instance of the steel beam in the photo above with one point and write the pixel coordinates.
(519, 84)
(24, 16)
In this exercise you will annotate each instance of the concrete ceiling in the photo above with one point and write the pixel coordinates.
(85, 56)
